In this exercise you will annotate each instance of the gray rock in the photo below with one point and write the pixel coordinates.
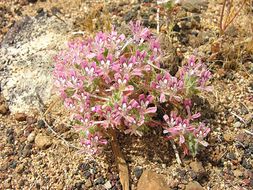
(137, 172)
(27, 53)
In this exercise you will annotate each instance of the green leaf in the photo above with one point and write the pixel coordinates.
(70, 92)
(105, 52)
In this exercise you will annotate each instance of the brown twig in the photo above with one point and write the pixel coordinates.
(122, 165)
(223, 26)
(222, 16)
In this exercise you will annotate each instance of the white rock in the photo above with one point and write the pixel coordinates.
(31, 137)
(27, 53)
(108, 185)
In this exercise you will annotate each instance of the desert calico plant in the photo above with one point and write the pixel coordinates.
(114, 82)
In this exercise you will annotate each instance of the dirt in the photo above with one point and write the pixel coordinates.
(42, 151)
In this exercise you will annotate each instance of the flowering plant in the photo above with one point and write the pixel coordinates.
(114, 82)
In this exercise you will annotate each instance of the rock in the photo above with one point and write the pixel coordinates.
(20, 116)
(248, 118)
(246, 164)
(31, 137)
(108, 185)
(42, 141)
(230, 119)
(197, 167)
(238, 173)
(41, 124)
(229, 137)
(11, 139)
(84, 167)
(87, 174)
(20, 168)
(26, 52)
(194, 186)
(31, 120)
(13, 164)
(99, 180)
(198, 170)
(61, 128)
(231, 156)
(150, 180)
(237, 124)
(4, 109)
(137, 172)
(88, 183)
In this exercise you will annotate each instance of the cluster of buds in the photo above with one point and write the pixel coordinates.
(115, 82)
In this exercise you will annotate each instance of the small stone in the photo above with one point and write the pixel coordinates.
(238, 173)
(13, 164)
(230, 119)
(108, 185)
(246, 164)
(229, 137)
(31, 120)
(231, 156)
(237, 124)
(137, 172)
(31, 137)
(84, 167)
(61, 128)
(248, 118)
(20, 116)
(27, 150)
(42, 141)
(3, 109)
(150, 180)
(7, 185)
(20, 168)
(41, 124)
(99, 180)
(88, 183)
(198, 170)
(87, 174)
(21, 183)
(194, 186)
(197, 167)
(10, 139)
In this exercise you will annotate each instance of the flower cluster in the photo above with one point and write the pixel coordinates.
(99, 80)
(190, 135)
(115, 82)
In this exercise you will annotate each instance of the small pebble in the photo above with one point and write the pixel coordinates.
(99, 180)
(87, 174)
(88, 183)
(3, 109)
(31, 137)
(31, 120)
(20, 116)
(41, 124)
(237, 124)
(108, 185)
(138, 171)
